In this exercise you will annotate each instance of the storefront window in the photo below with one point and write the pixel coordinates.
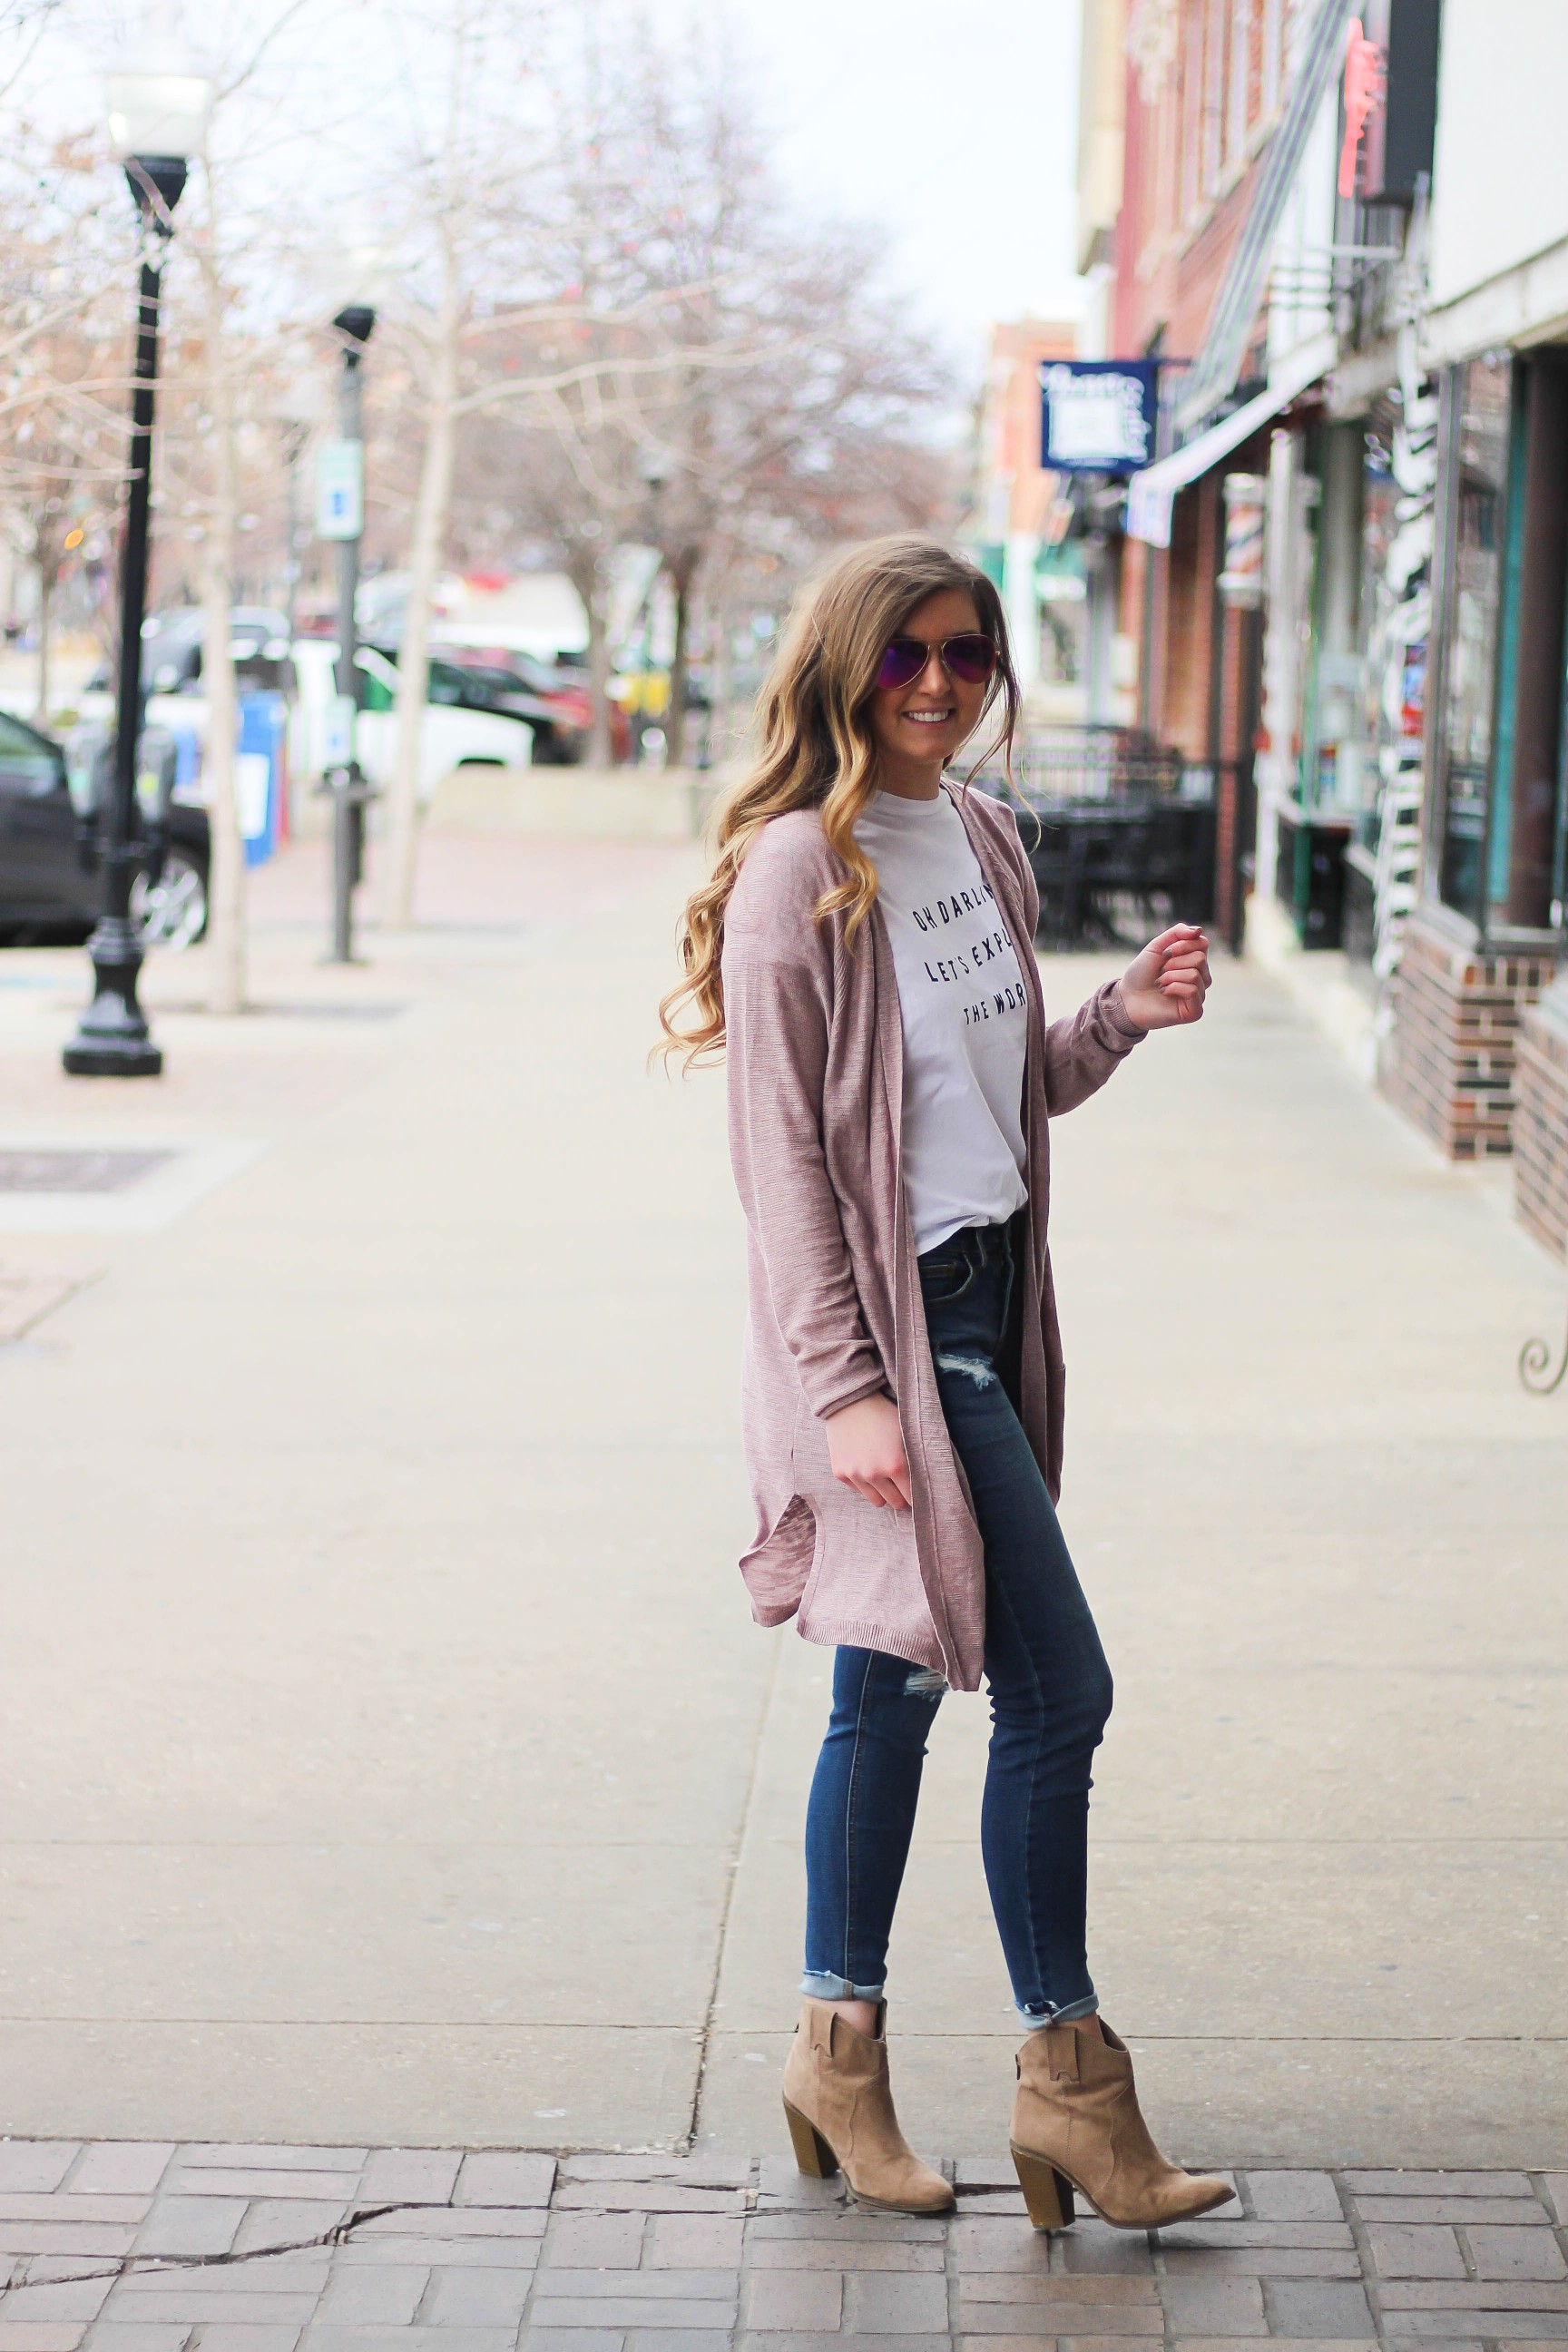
(1499, 743)
(1527, 756)
(1480, 427)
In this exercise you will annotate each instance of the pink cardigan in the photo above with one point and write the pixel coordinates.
(815, 1069)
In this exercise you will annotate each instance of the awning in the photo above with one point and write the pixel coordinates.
(1231, 321)
(1152, 493)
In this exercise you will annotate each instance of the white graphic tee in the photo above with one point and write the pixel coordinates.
(965, 1020)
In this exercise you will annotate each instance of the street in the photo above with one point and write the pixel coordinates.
(388, 1756)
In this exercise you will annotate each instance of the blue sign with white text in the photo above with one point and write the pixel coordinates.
(1098, 416)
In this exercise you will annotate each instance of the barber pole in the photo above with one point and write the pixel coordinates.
(1241, 582)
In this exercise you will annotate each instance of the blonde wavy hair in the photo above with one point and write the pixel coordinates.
(816, 750)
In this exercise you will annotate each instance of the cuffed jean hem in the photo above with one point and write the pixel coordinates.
(816, 1986)
(1070, 2010)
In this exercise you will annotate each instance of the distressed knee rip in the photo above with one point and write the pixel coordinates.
(975, 1367)
(925, 1682)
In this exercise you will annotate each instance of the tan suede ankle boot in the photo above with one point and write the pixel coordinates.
(1077, 2124)
(840, 2107)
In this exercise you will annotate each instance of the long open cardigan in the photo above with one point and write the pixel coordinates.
(816, 1075)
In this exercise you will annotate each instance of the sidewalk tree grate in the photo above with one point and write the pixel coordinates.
(78, 1171)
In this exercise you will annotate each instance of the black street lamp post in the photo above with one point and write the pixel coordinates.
(355, 323)
(113, 1040)
(155, 119)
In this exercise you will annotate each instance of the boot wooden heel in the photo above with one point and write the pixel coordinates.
(836, 2094)
(1048, 2193)
(1076, 2093)
(812, 2153)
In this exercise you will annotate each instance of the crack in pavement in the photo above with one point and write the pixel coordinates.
(111, 2266)
(688, 2138)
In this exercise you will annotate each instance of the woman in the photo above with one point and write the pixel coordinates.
(862, 952)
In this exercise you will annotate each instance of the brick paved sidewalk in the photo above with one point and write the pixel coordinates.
(124, 2247)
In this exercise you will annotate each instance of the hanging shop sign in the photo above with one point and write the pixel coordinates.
(1097, 416)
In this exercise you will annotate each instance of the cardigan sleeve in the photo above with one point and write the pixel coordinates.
(1082, 1050)
(778, 988)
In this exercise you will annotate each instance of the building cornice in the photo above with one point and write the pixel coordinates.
(1526, 304)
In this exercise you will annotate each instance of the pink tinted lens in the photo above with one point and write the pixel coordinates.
(970, 658)
(901, 664)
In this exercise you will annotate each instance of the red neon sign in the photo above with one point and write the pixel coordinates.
(1363, 96)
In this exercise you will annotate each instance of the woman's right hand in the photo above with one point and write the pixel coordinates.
(866, 1447)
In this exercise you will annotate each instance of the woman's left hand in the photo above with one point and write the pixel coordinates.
(1166, 983)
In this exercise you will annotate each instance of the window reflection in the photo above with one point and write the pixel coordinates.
(1465, 750)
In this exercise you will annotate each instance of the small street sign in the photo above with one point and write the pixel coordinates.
(338, 733)
(340, 489)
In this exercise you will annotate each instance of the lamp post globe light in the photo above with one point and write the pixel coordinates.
(157, 112)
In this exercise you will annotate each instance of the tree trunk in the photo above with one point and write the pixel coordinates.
(682, 578)
(45, 602)
(226, 877)
(720, 692)
(585, 579)
(430, 513)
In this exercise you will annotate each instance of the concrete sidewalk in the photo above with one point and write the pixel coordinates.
(387, 1755)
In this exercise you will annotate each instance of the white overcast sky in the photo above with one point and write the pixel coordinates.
(951, 123)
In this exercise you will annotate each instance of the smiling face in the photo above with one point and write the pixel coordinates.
(919, 728)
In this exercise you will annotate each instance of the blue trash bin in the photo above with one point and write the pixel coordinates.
(263, 717)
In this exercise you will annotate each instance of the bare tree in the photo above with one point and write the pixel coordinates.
(466, 170)
(232, 243)
(520, 306)
(220, 762)
(596, 279)
(62, 359)
(772, 385)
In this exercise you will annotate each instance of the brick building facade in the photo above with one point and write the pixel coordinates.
(1367, 329)
(1477, 1053)
(1202, 90)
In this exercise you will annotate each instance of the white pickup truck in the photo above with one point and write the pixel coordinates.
(455, 733)
(459, 730)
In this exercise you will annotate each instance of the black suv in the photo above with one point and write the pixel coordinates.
(51, 877)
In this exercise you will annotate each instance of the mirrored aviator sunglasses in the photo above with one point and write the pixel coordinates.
(970, 658)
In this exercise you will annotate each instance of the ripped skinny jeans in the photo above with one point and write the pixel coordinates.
(1045, 1674)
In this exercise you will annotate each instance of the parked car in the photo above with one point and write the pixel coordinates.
(486, 686)
(51, 875)
(462, 729)
(644, 696)
(461, 685)
(563, 692)
(172, 656)
(257, 638)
